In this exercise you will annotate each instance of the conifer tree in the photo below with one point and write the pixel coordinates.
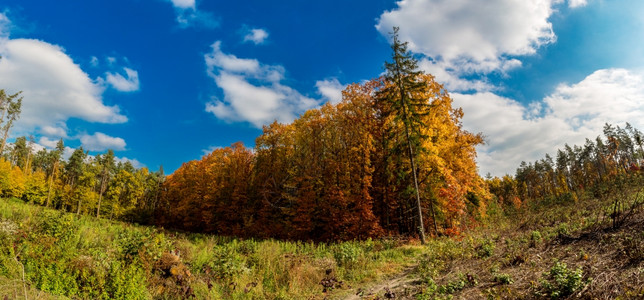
(408, 108)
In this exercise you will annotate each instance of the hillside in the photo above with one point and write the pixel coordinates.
(49, 254)
(555, 248)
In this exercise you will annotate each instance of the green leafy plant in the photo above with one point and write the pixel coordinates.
(486, 249)
(561, 282)
(503, 278)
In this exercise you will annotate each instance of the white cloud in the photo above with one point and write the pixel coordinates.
(256, 35)
(54, 131)
(100, 142)
(122, 84)
(467, 36)
(252, 91)
(516, 133)
(577, 3)
(450, 77)
(330, 89)
(183, 4)
(67, 152)
(135, 163)
(48, 143)
(54, 87)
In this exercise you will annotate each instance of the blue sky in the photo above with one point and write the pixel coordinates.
(162, 82)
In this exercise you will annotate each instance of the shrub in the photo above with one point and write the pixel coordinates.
(58, 224)
(561, 282)
(535, 238)
(503, 278)
(486, 249)
(346, 253)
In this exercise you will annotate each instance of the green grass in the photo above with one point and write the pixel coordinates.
(554, 248)
(48, 254)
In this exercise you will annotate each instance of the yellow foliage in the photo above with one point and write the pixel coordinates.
(12, 180)
(35, 188)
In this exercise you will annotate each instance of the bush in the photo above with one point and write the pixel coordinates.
(58, 224)
(347, 253)
(503, 278)
(561, 282)
(486, 249)
(535, 238)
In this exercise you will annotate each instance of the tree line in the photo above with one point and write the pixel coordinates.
(575, 169)
(84, 184)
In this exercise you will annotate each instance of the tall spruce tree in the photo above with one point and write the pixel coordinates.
(408, 108)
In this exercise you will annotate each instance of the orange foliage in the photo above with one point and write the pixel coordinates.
(333, 174)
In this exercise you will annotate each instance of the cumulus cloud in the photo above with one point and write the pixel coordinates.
(460, 38)
(54, 87)
(256, 35)
(53, 131)
(330, 89)
(121, 83)
(573, 112)
(47, 142)
(475, 36)
(252, 91)
(450, 78)
(100, 142)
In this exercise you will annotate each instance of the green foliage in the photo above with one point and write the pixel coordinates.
(126, 282)
(535, 238)
(81, 257)
(503, 278)
(347, 253)
(561, 282)
(227, 264)
(486, 249)
(57, 224)
(459, 283)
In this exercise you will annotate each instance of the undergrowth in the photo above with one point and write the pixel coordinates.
(48, 254)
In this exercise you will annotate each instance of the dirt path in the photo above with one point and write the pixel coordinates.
(402, 286)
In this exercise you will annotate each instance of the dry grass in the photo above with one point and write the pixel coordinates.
(518, 256)
(612, 260)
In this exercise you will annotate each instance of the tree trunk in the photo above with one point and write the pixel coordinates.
(6, 133)
(51, 181)
(421, 225)
(100, 194)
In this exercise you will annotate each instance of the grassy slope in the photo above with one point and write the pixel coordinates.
(553, 249)
(82, 257)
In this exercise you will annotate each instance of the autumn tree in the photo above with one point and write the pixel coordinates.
(54, 163)
(106, 164)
